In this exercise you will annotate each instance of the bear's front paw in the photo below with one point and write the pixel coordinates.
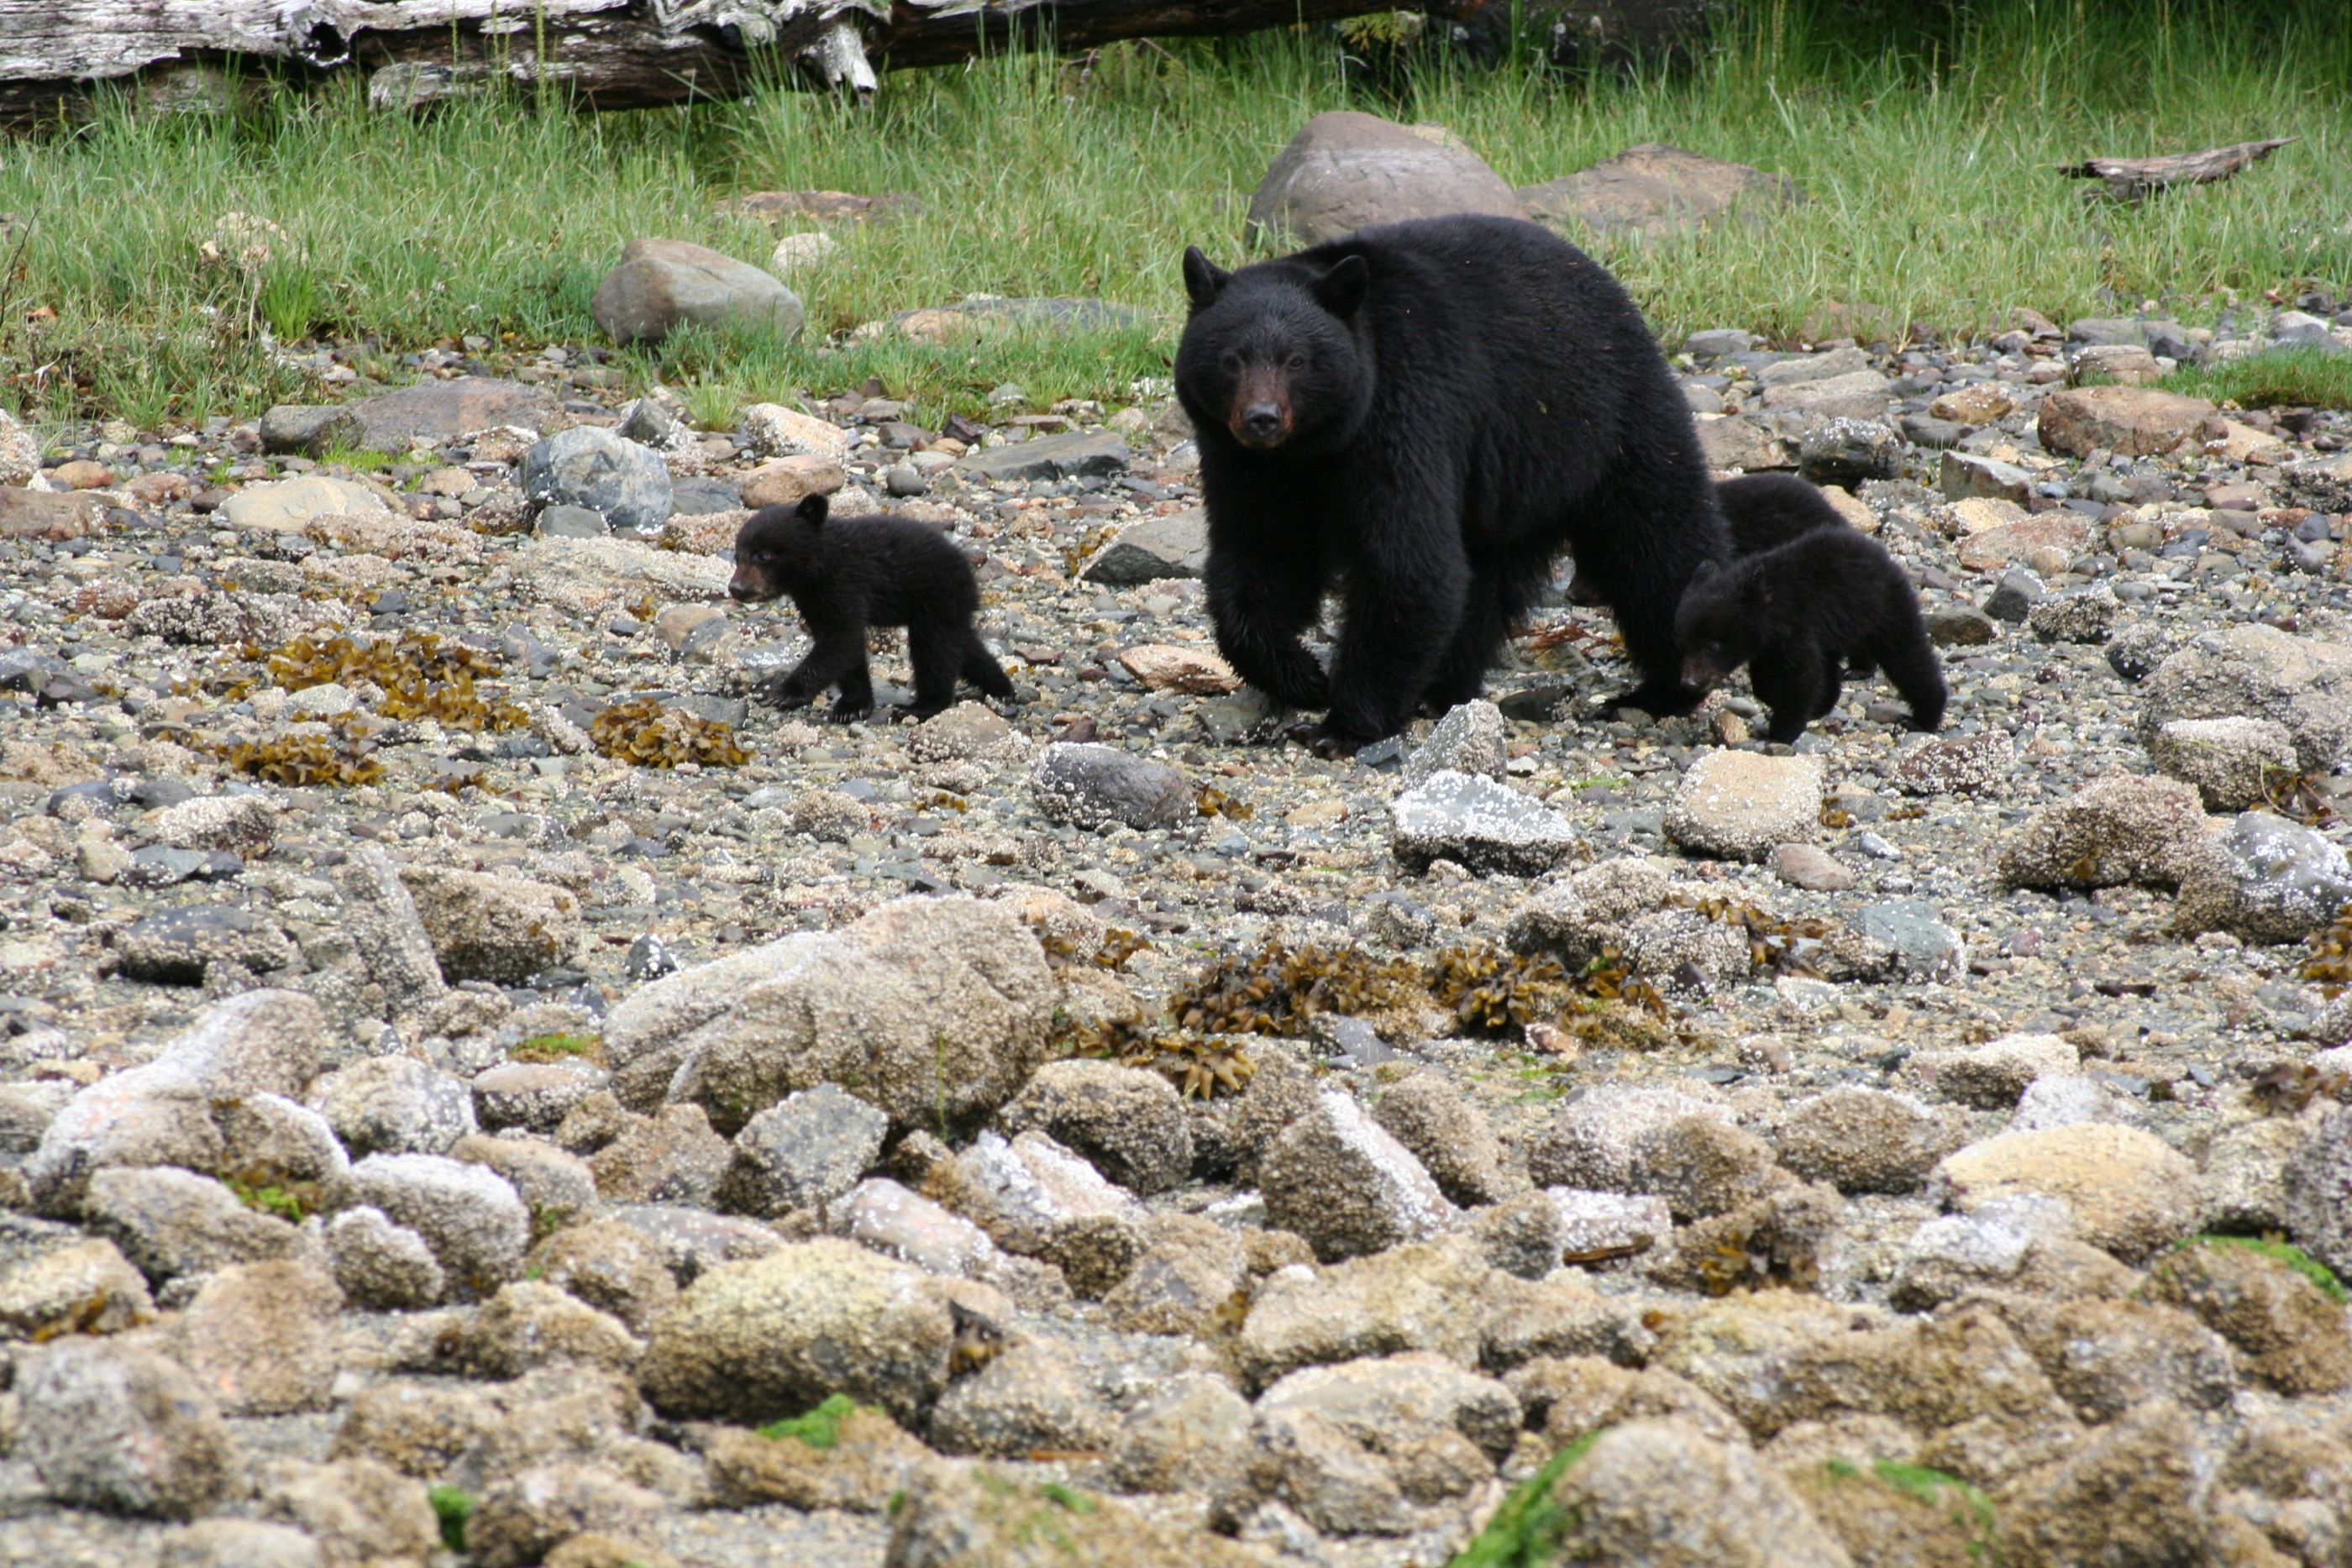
(783, 694)
(1333, 745)
(848, 713)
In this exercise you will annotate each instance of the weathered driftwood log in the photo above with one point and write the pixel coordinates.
(2136, 179)
(602, 53)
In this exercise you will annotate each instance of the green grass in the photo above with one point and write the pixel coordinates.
(1527, 1530)
(819, 1428)
(1926, 139)
(2298, 378)
(1972, 1512)
(2285, 1252)
(453, 1506)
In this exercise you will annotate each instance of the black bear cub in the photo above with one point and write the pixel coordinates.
(1425, 414)
(1797, 615)
(1760, 510)
(845, 574)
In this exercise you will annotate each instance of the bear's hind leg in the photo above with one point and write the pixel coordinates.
(1911, 667)
(937, 654)
(1497, 600)
(981, 668)
(1833, 685)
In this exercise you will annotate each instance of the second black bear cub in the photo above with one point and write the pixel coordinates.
(1762, 510)
(846, 574)
(1797, 614)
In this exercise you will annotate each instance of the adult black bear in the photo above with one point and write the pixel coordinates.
(850, 573)
(1797, 614)
(1430, 411)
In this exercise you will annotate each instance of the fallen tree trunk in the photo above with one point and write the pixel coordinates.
(599, 54)
(2136, 179)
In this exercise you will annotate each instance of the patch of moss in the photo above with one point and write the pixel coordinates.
(819, 1428)
(2296, 376)
(1970, 1510)
(289, 1200)
(422, 675)
(1070, 1498)
(1526, 1531)
(558, 1047)
(345, 755)
(644, 732)
(453, 1507)
(2285, 1252)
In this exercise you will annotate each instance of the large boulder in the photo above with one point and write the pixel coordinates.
(2120, 830)
(434, 413)
(660, 285)
(2133, 422)
(2259, 672)
(592, 467)
(928, 1008)
(123, 1430)
(1344, 170)
(2266, 879)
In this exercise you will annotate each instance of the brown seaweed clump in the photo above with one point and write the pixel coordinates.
(421, 674)
(341, 751)
(644, 732)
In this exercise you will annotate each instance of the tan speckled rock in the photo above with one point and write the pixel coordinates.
(781, 1332)
(1663, 1494)
(1866, 1140)
(928, 1007)
(263, 1339)
(1338, 1178)
(2129, 1192)
(2120, 830)
(1738, 805)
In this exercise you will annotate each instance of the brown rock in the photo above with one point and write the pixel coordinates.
(1980, 402)
(2137, 422)
(2064, 533)
(1168, 667)
(1653, 190)
(41, 515)
(788, 481)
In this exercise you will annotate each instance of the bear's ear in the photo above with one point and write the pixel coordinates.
(814, 511)
(1203, 278)
(1342, 287)
(1706, 568)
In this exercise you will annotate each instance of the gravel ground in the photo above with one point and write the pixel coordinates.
(520, 1062)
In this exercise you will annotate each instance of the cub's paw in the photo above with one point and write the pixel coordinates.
(779, 694)
(848, 713)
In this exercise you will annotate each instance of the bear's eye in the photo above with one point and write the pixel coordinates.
(1231, 363)
(1296, 363)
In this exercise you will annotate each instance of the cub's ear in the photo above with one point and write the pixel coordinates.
(1203, 278)
(1706, 568)
(1342, 287)
(814, 511)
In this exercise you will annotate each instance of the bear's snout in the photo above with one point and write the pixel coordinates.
(747, 586)
(1261, 411)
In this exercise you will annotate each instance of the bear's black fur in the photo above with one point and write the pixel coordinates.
(1430, 411)
(846, 574)
(1762, 510)
(1795, 614)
